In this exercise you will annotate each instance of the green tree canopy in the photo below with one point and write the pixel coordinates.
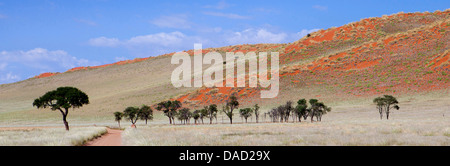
(118, 117)
(145, 113)
(169, 108)
(62, 99)
(232, 103)
(246, 112)
(385, 104)
(132, 114)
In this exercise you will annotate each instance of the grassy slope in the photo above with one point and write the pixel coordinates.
(110, 89)
(402, 54)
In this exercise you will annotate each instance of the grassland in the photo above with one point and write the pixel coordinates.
(422, 122)
(48, 136)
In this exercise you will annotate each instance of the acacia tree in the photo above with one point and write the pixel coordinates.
(379, 102)
(391, 103)
(203, 113)
(62, 99)
(301, 109)
(231, 104)
(256, 110)
(196, 115)
(281, 112)
(314, 108)
(323, 109)
(132, 114)
(288, 108)
(211, 112)
(274, 114)
(184, 115)
(169, 108)
(317, 109)
(246, 112)
(386, 103)
(145, 113)
(118, 117)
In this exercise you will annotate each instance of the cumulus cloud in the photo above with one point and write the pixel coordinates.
(151, 44)
(254, 36)
(162, 43)
(104, 42)
(164, 39)
(36, 61)
(40, 58)
(8, 78)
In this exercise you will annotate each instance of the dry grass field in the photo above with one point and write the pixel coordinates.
(418, 122)
(48, 136)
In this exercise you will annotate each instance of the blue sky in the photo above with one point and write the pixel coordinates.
(38, 36)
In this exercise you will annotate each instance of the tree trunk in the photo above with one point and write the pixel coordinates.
(64, 114)
(387, 115)
(119, 123)
(66, 124)
(133, 123)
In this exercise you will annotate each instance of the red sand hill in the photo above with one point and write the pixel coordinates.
(401, 53)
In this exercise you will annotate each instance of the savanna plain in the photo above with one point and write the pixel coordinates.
(422, 122)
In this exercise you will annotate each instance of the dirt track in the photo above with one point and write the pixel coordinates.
(112, 138)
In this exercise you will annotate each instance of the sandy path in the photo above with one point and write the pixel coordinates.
(112, 138)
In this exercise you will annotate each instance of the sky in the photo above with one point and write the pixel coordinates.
(38, 36)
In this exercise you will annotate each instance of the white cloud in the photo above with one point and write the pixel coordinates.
(162, 43)
(254, 36)
(151, 44)
(164, 39)
(39, 58)
(8, 78)
(226, 15)
(175, 21)
(36, 61)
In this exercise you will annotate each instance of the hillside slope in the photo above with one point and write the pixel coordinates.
(401, 54)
